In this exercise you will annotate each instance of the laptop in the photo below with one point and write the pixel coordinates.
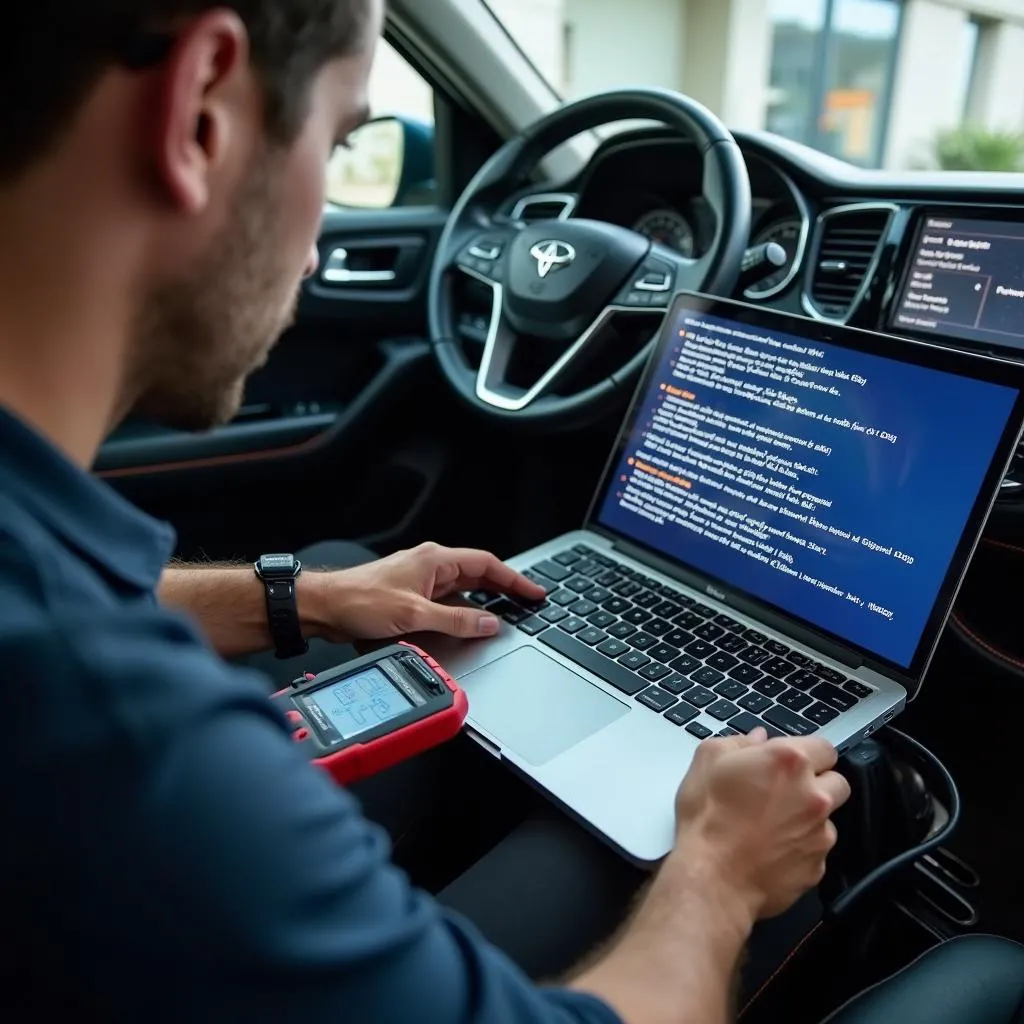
(778, 539)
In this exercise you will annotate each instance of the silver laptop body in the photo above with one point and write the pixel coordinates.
(611, 746)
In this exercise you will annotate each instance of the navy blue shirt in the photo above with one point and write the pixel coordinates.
(167, 854)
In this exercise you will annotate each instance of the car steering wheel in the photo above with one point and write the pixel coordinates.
(559, 282)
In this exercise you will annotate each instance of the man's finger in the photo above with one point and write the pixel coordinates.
(457, 621)
(821, 754)
(484, 571)
(835, 787)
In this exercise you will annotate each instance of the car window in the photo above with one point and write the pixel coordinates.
(389, 162)
(880, 83)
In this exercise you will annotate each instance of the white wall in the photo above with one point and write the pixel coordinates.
(615, 43)
(997, 99)
(928, 92)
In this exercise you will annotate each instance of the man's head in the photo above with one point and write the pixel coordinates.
(203, 130)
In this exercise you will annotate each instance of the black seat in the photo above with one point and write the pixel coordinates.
(977, 979)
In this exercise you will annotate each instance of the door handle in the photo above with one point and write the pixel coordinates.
(337, 271)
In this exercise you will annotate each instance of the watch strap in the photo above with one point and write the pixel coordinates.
(283, 614)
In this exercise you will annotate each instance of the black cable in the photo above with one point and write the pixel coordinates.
(952, 804)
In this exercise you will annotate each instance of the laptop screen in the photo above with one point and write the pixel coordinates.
(841, 477)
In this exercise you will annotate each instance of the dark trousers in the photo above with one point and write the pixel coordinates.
(535, 883)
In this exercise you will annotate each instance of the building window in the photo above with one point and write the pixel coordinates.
(832, 73)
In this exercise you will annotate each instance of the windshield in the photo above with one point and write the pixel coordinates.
(900, 84)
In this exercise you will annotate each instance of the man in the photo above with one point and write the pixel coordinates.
(168, 854)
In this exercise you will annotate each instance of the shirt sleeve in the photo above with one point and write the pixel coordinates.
(253, 884)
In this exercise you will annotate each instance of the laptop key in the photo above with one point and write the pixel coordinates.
(803, 680)
(591, 636)
(830, 675)
(754, 636)
(702, 732)
(755, 702)
(800, 660)
(744, 673)
(616, 605)
(688, 620)
(859, 690)
(682, 714)
(754, 656)
(787, 721)
(627, 589)
(664, 652)
(642, 641)
(612, 648)
(599, 595)
(704, 610)
(646, 599)
(707, 676)
(659, 627)
(685, 664)
(778, 667)
(727, 731)
(747, 723)
(722, 661)
(770, 687)
(586, 657)
(834, 697)
(533, 626)
(676, 683)
(554, 615)
(602, 619)
(482, 597)
(795, 700)
(553, 571)
(774, 647)
(821, 714)
(723, 710)
(580, 584)
(573, 624)
(637, 616)
(701, 649)
(634, 660)
(564, 597)
(567, 558)
(655, 699)
(700, 697)
(611, 578)
(731, 643)
(731, 690)
(730, 624)
(709, 631)
(655, 672)
(679, 638)
(621, 630)
(667, 609)
(583, 608)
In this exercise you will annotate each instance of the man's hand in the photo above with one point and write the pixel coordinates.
(756, 814)
(399, 595)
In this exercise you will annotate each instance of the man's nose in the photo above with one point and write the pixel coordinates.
(313, 261)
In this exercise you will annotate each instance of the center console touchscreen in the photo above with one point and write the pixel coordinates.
(964, 281)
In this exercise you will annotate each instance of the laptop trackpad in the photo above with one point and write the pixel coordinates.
(536, 708)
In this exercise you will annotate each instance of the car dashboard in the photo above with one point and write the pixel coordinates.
(937, 257)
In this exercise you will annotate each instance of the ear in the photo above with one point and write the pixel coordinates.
(205, 94)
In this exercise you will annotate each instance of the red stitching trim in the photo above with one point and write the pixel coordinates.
(994, 651)
(778, 970)
(1002, 544)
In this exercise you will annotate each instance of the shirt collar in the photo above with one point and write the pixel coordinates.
(87, 514)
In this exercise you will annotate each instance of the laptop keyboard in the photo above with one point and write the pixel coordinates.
(701, 670)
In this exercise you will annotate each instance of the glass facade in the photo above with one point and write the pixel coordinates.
(832, 72)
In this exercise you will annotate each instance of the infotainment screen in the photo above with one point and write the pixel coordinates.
(965, 281)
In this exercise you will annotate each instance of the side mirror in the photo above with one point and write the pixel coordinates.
(388, 162)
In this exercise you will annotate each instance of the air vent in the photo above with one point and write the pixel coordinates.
(849, 240)
(552, 206)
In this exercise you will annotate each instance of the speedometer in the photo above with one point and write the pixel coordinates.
(789, 234)
(668, 228)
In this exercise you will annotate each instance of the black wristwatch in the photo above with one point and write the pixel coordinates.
(279, 573)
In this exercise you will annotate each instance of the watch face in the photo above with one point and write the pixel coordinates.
(278, 565)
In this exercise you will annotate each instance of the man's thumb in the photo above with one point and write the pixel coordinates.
(457, 621)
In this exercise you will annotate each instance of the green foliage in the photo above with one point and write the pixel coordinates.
(973, 148)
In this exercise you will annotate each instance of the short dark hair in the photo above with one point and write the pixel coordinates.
(57, 50)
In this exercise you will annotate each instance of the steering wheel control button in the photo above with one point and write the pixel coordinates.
(486, 251)
(654, 282)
